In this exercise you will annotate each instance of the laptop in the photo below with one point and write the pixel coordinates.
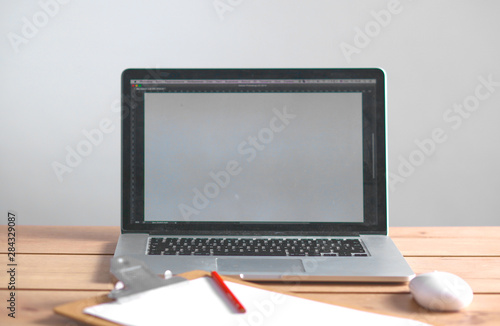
(265, 174)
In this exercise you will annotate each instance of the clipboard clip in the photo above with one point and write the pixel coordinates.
(136, 277)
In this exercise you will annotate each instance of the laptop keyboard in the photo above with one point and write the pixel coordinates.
(255, 247)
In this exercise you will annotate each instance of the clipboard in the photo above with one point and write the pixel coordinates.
(75, 310)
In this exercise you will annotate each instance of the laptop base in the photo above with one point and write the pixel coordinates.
(385, 263)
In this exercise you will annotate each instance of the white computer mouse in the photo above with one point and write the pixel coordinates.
(441, 291)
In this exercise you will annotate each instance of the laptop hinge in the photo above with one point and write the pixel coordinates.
(259, 234)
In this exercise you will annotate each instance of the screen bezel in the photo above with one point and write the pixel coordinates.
(377, 223)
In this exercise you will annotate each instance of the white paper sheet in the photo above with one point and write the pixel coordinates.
(200, 302)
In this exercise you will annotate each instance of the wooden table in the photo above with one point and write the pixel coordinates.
(61, 264)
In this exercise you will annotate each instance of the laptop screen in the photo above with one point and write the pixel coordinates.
(250, 150)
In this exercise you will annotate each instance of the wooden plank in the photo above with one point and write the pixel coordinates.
(471, 269)
(35, 307)
(80, 272)
(441, 232)
(447, 241)
(412, 241)
(425, 247)
(62, 239)
(74, 272)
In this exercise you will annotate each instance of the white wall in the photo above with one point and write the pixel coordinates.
(60, 65)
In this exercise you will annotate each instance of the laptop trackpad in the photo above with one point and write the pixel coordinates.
(241, 265)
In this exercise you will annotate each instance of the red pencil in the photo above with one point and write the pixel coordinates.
(227, 292)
